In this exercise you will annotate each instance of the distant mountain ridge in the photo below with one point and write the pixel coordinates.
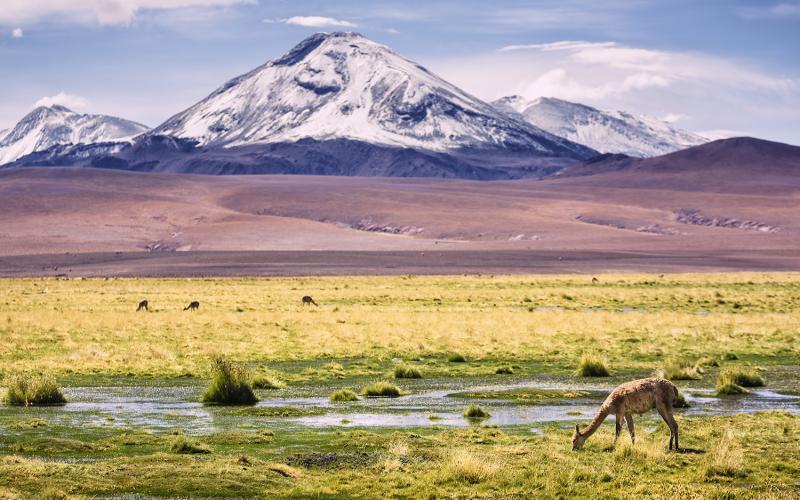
(337, 104)
(605, 131)
(48, 126)
(735, 157)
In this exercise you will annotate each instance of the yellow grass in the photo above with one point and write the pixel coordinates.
(91, 326)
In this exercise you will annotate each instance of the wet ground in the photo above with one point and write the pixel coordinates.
(430, 403)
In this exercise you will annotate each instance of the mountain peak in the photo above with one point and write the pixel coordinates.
(47, 126)
(342, 85)
(300, 51)
(605, 131)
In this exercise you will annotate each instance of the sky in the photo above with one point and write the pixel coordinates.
(718, 67)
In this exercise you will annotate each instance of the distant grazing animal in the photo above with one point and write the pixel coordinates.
(307, 300)
(142, 305)
(637, 397)
(193, 306)
(595, 280)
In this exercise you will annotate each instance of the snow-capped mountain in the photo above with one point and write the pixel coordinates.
(345, 86)
(605, 131)
(48, 126)
(336, 104)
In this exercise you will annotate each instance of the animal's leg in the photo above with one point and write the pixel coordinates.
(629, 420)
(673, 427)
(618, 427)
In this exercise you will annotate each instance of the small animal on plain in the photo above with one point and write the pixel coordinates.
(142, 306)
(638, 396)
(307, 300)
(193, 306)
(595, 280)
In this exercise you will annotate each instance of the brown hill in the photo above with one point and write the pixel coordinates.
(731, 204)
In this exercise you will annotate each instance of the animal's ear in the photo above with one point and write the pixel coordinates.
(577, 429)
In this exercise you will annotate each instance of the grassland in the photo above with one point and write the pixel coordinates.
(365, 330)
(633, 322)
(745, 456)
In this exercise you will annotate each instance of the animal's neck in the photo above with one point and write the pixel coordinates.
(595, 423)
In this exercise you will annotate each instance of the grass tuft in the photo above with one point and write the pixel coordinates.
(262, 381)
(463, 466)
(683, 370)
(456, 358)
(475, 411)
(730, 389)
(185, 446)
(707, 361)
(590, 366)
(404, 371)
(343, 396)
(734, 380)
(33, 390)
(746, 377)
(230, 384)
(680, 401)
(725, 458)
(381, 390)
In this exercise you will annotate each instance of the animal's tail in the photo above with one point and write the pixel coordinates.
(675, 394)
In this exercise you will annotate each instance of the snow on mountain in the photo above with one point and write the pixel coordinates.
(605, 131)
(335, 86)
(47, 126)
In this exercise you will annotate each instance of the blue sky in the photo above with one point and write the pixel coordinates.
(724, 66)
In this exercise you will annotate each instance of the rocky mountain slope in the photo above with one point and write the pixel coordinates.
(605, 131)
(48, 126)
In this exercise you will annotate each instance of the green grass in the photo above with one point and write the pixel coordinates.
(343, 396)
(185, 446)
(740, 456)
(262, 381)
(591, 366)
(746, 377)
(680, 401)
(476, 412)
(404, 371)
(732, 381)
(87, 327)
(230, 384)
(381, 390)
(456, 358)
(683, 370)
(33, 390)
(504, 370)
(522, 395)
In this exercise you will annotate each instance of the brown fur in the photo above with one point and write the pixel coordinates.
(193, 306)
(307, 300)
(638, 396)
(142, 306)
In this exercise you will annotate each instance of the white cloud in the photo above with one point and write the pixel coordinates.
(673, 117)
(16, 33)
(71, 101)
(318, 22)
(104, 12)
(775, 11)
(719, 93)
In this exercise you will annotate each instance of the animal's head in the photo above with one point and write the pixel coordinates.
(578, 439)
